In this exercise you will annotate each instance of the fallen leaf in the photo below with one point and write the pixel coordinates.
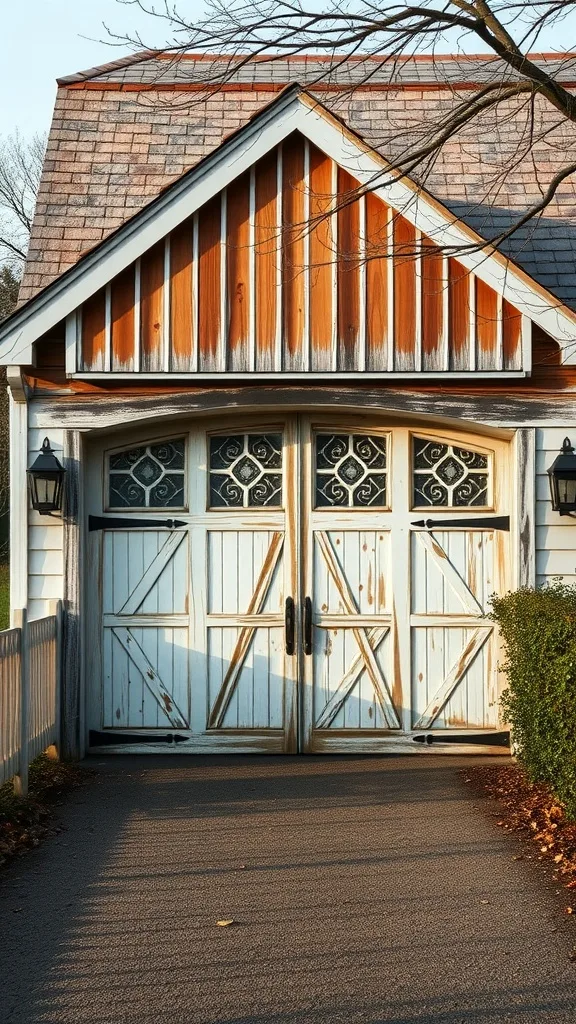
(226, 922)
(569, 910)
(558, 858)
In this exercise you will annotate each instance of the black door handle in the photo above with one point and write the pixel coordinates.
(290, 624)
(307, 625)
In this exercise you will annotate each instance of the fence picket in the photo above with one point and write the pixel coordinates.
(29, 693)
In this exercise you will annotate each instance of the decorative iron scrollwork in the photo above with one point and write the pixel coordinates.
(246, 471)
(448, 476)
(350, 470)
(151, 476)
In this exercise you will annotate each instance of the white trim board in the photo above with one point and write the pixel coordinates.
(294, 110)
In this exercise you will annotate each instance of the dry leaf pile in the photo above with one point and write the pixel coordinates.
(531, 810)
(24, 823)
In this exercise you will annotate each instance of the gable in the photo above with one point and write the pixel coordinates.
(266, 277)
(225, 246)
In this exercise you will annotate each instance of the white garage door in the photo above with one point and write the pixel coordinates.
(298, 585)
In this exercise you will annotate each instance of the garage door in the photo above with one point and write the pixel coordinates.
(298, 585)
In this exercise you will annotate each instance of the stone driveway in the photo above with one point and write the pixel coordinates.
(364, 889)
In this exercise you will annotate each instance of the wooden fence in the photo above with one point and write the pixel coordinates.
(29, 693)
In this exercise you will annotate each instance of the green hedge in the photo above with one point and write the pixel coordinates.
(538, 628)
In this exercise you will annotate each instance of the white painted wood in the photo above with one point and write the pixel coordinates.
(18, 411)
(72, 341)
(203, 607)
(293, 111)
(21, 623)
(309, 375)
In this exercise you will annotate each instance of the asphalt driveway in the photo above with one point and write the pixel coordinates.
(364, 889)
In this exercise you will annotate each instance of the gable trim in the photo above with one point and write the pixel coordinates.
(294, 110)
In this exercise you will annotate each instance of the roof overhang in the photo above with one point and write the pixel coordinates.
(294, 110)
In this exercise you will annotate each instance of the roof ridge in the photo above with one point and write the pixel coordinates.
(211, 58)
(114, 65)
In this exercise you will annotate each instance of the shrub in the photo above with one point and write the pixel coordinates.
(538, 627)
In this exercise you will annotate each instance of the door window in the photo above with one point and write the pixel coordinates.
(351, 470)
(448, 476)
(245, 471)
(151, 476)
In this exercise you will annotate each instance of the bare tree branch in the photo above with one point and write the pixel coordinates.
(385, 35)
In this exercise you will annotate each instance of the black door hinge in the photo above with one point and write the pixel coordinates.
(486, 523)
(117, 523)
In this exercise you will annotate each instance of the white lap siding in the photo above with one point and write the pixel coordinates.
(555, 534)
(45, 535)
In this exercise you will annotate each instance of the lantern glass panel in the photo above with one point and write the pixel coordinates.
(567, 492)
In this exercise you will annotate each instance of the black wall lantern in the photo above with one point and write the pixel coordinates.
(45, 478)
(562, 475)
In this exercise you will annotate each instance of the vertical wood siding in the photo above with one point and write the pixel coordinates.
(293, 231)
(322, 248)
(292, 269)
(405, 248)
(122, 320)
(376, 255)
(348, 277)
(266, 260)
(152, 309)
(181, 286)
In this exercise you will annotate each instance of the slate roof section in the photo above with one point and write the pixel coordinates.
(114, 146)
(309, 69)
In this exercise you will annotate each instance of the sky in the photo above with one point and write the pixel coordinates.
(47, 39)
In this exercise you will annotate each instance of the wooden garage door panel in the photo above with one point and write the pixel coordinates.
(454, 682)
(364, 559)
(236, 559)
(452, 572)
(257, 698)
(146, 678)
(145, 572)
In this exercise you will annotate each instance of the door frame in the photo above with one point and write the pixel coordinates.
(518, 443)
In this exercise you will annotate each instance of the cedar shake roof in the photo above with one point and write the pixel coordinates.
(122, 132)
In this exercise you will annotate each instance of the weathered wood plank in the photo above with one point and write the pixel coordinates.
(71, 661)
(238, 273)
(293, 274)
(267, 256)
(122, 320)
(209, 283)
(348, 272)
(404, 294)
(182, 328)
(511, 337)
(94, 331)
(322, 258)
(377, 256)
(433, 286)
(486, 326)
(459, 315)
(152, 309)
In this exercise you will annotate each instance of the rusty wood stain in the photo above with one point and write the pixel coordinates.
(348, 271)
(266, 256)
(151, 307)
(459, 315)
(404, 294)
(122, 316)
(94, 331)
